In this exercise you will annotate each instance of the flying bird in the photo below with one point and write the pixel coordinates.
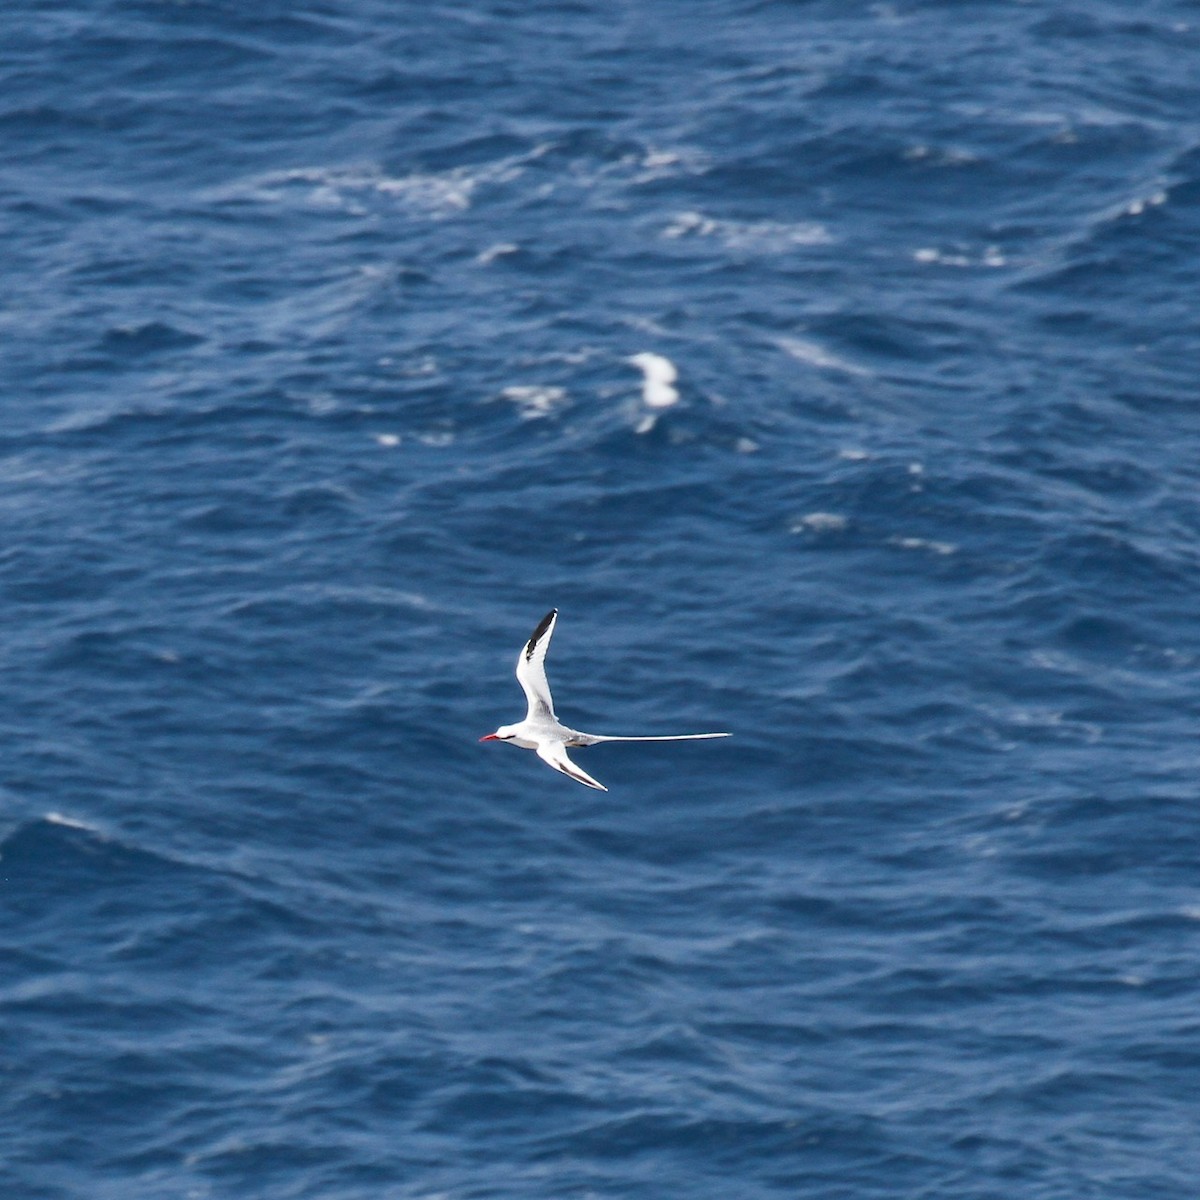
(542, 730)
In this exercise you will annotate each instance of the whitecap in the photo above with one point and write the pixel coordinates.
(917, 543)
(819, 522)
(1135, 208)
(352, 188)
(990, 256)
(658, 379)
(668, 164)
(499, 250)
(534, 401)
(57, 818)
(815, 355)
(765, 237)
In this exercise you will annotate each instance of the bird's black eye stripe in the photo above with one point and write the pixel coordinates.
(538, 633)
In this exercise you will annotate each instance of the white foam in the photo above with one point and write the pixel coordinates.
(952, 156)
(388, 439)
(1135, 208)
(57, 818)
(765, 237)
(916, 543)
(658, 379)
(819, 522)
(668, 164)
(499, 250)
(815, 355)
(351, 187)
(420, 368)
(534, 401)
(574, 357)
(991, 256)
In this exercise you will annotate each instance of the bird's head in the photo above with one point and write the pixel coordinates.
(501, 735)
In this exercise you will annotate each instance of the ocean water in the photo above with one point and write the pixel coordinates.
(323, 343)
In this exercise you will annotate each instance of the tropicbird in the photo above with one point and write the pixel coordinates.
(542, 730)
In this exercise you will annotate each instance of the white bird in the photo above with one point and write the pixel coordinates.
(542, 731)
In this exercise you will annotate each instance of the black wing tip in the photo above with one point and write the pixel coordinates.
(586, 780)
(539, 633)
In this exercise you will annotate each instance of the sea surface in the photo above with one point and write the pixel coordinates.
(832, 367)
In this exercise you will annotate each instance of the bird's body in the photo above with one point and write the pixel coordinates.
(542, 731)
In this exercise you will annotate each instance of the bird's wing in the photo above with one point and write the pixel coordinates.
(531, 669)
(554, 754)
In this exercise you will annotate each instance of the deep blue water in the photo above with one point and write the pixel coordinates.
(315, 340)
